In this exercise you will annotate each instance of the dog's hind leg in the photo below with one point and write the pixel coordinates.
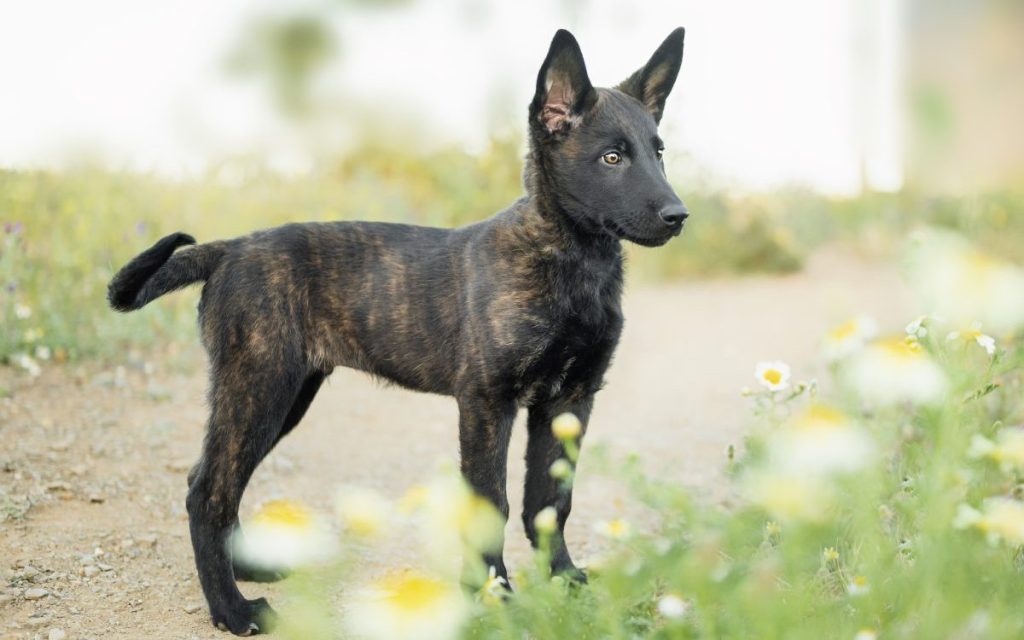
(542, 490)
(485, 426)
(248, 573)
(249, 404)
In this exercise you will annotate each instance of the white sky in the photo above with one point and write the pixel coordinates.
(770, 92)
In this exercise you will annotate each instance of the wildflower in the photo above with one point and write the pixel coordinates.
(848, 337)
(283, 534)
(999, 519)
(363, 512)
(407, 605)
(866, 634)
(893, 371)
(858, 586)
(566, 426)
(617, 529)
(495, 587)
(821, 440)
(546, 521)
(789, 496)
(672, 606)
(974, 334)
(1007, 450)
(773, 375)
(26, 362)
(772, 528)
(560, 469)
(964, 285)
(33, 334)
(918, 328)
(830, 555)
(449, 506)
(43, 352)
(22, 311)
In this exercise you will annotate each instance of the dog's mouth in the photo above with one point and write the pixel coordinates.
(617, 231)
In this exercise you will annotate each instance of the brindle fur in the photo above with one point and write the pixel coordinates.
(520, 310)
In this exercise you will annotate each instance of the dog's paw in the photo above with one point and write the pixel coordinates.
(247, 573)
(252, 618)
(572, 575)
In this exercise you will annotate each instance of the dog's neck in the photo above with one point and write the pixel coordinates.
(554, 224)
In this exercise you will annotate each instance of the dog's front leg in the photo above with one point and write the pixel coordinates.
(485, 425)
(544, 490)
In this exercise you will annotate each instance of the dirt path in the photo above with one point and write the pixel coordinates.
(102, 454)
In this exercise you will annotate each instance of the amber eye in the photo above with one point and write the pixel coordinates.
(612, 157)
(661, 152)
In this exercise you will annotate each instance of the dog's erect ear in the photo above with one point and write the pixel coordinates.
(564, 92)
(653, 82)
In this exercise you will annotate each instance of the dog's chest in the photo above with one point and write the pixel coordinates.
(571, 341)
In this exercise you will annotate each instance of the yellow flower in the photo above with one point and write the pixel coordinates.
(893, 371)
(772, 528)
(407, 605)
(858, 586)
(974, 334)
(566, 426)
(283, 534)
(830, 555)
(363, 512)
(1007, 450)
(821, 440)
(617, 529)
(773, 375)
(999, 519)
(848, 337)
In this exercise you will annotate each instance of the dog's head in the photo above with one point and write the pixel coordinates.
(597, 150)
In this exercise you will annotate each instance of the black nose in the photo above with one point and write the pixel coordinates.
(674, 214)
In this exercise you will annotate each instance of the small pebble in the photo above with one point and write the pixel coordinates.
(36, 594)
(104, 567)
(90, 571)
(192, 608)
(56, 634)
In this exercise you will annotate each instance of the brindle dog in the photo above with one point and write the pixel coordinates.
(520, 310)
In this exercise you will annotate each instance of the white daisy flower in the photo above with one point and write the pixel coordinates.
(22, 311)
(25, 361)
(858, 586)
(848, 337)
(964, 285)
(999, 519)
(283, 534)
(789, 497)
(616, 529)
(894, 371)
(1007, 450)
(773, 375)
(974, 334)
(363, 512)
(672, 606)
(918, 328)
(407, 605)
(821, 440)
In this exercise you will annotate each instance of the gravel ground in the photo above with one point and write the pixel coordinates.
(93, 531)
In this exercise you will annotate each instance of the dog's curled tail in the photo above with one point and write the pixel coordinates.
(159, 270)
